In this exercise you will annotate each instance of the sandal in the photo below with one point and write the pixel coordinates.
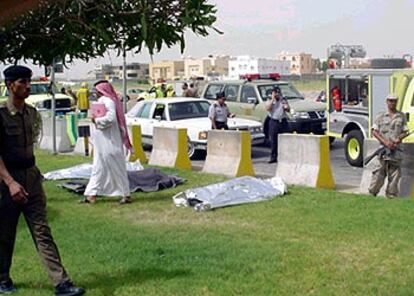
(125, 200)
(88, 199)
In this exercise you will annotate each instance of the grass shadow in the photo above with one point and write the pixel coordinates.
(111, 282)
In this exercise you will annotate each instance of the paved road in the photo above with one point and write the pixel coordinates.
(347, 178)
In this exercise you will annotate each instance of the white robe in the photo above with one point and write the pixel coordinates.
(109, 175)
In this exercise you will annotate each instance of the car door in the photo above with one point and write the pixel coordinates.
(159, 117)
(232, 94)
(144, 119)
(408, 109)
(247, 108)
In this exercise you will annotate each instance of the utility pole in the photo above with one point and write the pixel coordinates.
(124, 82)
(52, 90)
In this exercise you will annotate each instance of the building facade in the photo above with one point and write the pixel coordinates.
(241, 65)
(210, 67)
(166, 70)
(300, 63)
(134, 71)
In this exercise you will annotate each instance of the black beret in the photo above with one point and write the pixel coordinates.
(276, 89)
(220, 94)
(13, 73)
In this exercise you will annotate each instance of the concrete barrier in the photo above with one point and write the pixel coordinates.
(63, 143)
(169, 148)
(229, 153)
(81, 142)
(136, 137)
(407, 169)
(304, 160)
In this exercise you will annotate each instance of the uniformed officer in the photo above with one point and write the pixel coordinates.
(278, 108)
(21, 188)
(219, 112)
(390, 128)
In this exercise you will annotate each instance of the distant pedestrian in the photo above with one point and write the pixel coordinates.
(193, 91)
(83, 98)
(186, 91)
(170, 91)
(70, 93)
(219, 112)
(390, 128)
(159, 91)
(21, 190)
(278, 108)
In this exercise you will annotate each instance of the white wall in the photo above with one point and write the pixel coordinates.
(251, 65)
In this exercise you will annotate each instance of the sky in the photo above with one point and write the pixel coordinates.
(266, 27)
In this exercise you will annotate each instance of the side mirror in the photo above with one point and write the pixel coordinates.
(252, 100)
(408, 116)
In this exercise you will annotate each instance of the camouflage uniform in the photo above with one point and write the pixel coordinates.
(391, 128)
(19, 130)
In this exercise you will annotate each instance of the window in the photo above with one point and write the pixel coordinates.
(231, 92)
(212, 91)
(159, 111)
(187, 110)
(247, 92)
(288, 91)
(145, 111)
(41, 89)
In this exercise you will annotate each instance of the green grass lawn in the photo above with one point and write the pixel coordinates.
(309, 85)
(310, 242)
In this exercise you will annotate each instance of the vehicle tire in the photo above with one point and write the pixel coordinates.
(140, 99)
(388, 63)
(354, 148)
(191, 149)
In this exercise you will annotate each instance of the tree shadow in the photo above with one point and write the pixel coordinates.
(111, 282)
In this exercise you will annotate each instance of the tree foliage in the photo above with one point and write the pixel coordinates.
(83, 29)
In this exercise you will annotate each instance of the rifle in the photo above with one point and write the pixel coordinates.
(382, 151)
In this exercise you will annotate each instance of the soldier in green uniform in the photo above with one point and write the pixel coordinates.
(390, 128)
(21, 190)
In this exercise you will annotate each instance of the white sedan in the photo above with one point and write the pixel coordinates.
(189, 113)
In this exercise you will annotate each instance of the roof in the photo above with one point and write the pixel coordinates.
(241, 81)
(175, 100)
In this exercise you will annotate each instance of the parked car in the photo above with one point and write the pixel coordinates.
(133, 93)
(247, 99)
(189, 113)
(41, 98)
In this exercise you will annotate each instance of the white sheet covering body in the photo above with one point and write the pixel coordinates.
(229, 193)
(109, 175)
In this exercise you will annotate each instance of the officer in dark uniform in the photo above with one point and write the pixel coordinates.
(21, 188)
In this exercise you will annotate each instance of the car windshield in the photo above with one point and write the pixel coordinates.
(187, 110)
(37, 89)
(288, 91)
